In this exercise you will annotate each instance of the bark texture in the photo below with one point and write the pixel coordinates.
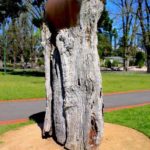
(73, 82)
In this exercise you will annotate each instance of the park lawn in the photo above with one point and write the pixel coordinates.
(137, 118)
(125, 81)
(20, 85)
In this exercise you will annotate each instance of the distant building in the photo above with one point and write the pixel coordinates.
(115, 58)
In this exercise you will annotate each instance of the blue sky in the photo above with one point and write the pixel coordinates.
(113, 10)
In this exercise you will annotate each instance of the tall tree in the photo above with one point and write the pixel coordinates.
(105, 34)
(11, 9)
(21, 40)
(8, 9)
(144, 18)
(73, 79)
(105, 22)
(127, 12)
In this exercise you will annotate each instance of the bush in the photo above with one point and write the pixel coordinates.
(40, 62)
(108, 63)
(115, 63)
(140, 59)
(131, 62)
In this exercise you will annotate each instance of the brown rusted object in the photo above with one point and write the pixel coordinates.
(62, 13)
(93, 133)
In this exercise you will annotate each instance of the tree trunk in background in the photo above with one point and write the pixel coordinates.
(145, 27)
(148, 58)
(1, 64)
(73, 82)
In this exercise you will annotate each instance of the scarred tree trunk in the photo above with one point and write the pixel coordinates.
(73, 81)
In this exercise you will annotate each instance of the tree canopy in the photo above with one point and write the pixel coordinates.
(9, 8)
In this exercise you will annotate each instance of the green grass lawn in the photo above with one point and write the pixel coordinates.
(30, 84)
(122, 81)
(136, 118)
(20, 86)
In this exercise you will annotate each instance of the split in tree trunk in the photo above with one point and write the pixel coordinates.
(73, 81)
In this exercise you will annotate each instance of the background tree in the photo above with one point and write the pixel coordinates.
(140, 59)
(23, 42)
(144, 18)
(105, 34)
(104, 46)
(8, 9)
(127, 16)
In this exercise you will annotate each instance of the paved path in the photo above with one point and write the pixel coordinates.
(23, 110)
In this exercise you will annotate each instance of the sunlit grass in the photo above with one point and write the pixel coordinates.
(21, 87)
(31, 84)
(136, 118)
(122, 81)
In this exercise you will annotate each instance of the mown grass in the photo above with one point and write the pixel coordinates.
(136, 118)
(21, 86)
(30, 84)
(122, 81)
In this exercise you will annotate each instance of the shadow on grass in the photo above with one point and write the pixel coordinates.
(23, 72)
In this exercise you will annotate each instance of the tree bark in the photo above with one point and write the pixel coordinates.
(148, 58)
(73, 82)
(145, 31)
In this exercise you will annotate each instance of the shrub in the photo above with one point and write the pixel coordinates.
(108, 63)
(40, 62)
(132, 62)
(140, 59)
(115, 63)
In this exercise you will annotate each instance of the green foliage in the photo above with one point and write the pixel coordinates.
(105, 22)
(37, 22)
(136, 118)
(118, 52)
(36, 7)
(115, 63)
(131, 62)
(140, 59)
(104, 46)
(108, 63)
(9, 8)
(40, 62)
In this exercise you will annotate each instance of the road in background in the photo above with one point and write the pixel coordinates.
(24, 109)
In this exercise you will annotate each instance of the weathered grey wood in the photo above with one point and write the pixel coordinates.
(48, 48)
(75, 107)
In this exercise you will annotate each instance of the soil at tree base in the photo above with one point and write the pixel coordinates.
(116, 137)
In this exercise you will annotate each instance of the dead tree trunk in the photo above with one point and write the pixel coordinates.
(73, 82)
